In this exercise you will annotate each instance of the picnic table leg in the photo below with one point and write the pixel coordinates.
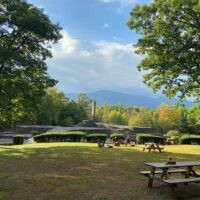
(158, 148)
(188, 172)
(150, 147)
(165, 174)
(150, 184)
(192, 172)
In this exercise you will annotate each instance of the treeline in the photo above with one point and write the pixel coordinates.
(162, 119)
(53, 108)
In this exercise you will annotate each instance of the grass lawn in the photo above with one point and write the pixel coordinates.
(81, 171)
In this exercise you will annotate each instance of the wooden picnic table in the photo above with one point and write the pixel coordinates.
(165, 170)
(152, 146)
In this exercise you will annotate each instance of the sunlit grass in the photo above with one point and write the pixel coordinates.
(81, 171)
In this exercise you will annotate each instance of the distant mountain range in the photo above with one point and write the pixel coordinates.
(112, 97)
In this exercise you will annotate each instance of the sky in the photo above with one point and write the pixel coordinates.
(96, 51)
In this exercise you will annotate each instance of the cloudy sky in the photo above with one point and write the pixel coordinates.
(96, 51)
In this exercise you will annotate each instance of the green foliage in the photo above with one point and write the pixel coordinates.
(26, 38)
(193, 118)
(166, 118)
(115, 114)
(118, 135)
(71, 113)
(50, 107)
(170, 32)
(97, 137)
(60, 137)
(18, 139)
(162, 119)
(174, 136)
(174, 133)
(116, 117)
(144, 117)
(56, 109)
(83, 101)
(189, 139)
(143, 138)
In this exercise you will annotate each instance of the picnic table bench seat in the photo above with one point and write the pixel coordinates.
(171, 171)
(182, 181)
(165, 169)
(153, 148)
(108, 145)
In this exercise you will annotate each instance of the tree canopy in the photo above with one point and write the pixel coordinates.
(170, 41)
(56, 109)
(26, 35)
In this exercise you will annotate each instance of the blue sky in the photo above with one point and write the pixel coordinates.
(96, 51)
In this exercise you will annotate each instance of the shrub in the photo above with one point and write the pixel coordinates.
(60, 137)
(118, 135)
(174, 136)
(174, 133)
(189, 139)
(173, 140)
(143, 138)
(18, 139)
(97, 137)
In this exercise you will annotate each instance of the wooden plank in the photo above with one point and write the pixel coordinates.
(182, 181)
(169, 171)
(153, 148)
(178, 164)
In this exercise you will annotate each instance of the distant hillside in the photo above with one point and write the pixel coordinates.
(111, 97)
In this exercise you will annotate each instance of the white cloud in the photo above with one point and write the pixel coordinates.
(66, 46)
(110, 65)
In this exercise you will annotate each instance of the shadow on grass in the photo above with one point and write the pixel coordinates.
(90, 171)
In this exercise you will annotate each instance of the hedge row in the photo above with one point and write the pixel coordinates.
(189, 139)
(74, 137)
(118, 135)
(96, 137)
(143, 138)
(60, 137)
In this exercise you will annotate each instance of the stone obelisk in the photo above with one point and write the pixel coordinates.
(93, 114)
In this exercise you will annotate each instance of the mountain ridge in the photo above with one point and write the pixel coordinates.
(113, 97)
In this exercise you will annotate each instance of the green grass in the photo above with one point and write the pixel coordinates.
(81, 171)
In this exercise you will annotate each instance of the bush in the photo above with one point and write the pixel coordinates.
(60, 137)
(97, 137)
(174, 136)
(174, 133)
(173, 140)
(118, 135)
(18, 139)
(189, 139)
(143, 138)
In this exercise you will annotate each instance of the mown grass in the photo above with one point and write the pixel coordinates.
(81, 171)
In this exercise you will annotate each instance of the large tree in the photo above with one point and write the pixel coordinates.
(51, 106)
(26, 35)
(170, 41)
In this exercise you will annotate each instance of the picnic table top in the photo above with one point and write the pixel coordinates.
(178, 164)
(150, 143)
